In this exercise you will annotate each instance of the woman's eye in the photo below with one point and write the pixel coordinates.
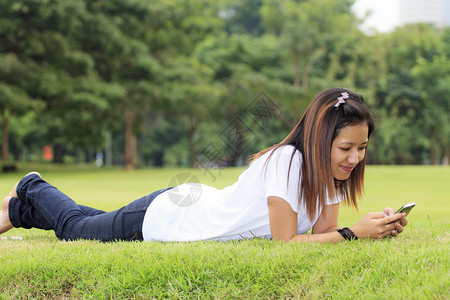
(345, 149)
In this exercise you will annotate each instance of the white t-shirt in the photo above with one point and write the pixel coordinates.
(235, 212)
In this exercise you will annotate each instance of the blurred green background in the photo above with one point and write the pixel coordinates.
(206, 83)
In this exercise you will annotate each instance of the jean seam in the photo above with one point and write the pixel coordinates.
(53, 221)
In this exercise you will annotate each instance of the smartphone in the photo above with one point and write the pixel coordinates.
(406, 208)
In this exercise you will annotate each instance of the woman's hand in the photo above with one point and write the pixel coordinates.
(380, 224)
(399, 224)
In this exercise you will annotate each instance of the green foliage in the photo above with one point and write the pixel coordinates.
(432, 79)
(85, 69)
(243, 17)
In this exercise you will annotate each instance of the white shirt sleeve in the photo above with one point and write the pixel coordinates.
(335, 200)
(276, 176)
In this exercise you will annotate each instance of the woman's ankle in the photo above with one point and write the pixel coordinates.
(5, 223)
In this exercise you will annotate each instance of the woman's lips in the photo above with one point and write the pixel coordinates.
(347, 169)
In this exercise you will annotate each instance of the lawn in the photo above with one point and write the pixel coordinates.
(414, 265)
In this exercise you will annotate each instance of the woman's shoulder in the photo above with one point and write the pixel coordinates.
(284, 155)
(287, 150)
(280, 155)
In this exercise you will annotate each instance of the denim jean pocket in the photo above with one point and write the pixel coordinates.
(143, 203)
(138, 205)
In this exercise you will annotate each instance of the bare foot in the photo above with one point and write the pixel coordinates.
(5, 223)
(13, 192)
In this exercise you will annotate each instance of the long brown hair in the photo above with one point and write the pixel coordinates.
(313, 137)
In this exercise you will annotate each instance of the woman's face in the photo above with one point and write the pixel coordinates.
(348, 149)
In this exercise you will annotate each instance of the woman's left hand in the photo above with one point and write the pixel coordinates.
(398, 224)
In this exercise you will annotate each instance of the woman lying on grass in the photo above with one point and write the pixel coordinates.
(287, 189)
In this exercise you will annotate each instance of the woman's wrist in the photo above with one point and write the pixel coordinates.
(347, 233)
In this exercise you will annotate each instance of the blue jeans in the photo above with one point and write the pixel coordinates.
(41, 205)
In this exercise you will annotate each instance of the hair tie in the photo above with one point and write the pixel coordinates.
(341, 99)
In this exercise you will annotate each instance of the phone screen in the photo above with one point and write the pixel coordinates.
(406, 208)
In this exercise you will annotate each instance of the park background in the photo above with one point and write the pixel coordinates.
(194, 83)
(90, 90)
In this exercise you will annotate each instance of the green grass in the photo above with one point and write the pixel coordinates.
(414, 265)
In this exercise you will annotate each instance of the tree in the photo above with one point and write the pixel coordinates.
(399, 99)
(153, 34)
(243, 17)
(307, 30)
(184, 68)
(192, 98)
(246, 67)
(15, 80)
(432, 79)
(45, 38)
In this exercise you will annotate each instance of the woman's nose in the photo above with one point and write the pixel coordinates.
(353, 158)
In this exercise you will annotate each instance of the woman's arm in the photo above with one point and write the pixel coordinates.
(283, 224)
(328, 219)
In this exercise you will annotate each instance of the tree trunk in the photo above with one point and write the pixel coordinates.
(433, 152)
(239, 141)
(305, 75)
(5, 138)
(308, 67)
(447, 156)
(130, 140)
(191, 132)
(59, 151)
(87, 156)
(108, 150)
(158, 159)
(306, 71)
(296, 73)
(191, 149)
